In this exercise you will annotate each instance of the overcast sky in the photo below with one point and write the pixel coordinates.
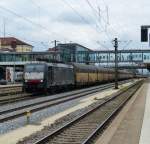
(39, 22)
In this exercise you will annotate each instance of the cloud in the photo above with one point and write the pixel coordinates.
(57, 20)
(74, 18)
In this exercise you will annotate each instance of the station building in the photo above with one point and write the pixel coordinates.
(69, 51)
(12, 44)
(14, 61)
(62, 53)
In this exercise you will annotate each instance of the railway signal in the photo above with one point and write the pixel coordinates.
(116, 62)
(144, 33)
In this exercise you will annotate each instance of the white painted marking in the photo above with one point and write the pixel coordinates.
(145, 132)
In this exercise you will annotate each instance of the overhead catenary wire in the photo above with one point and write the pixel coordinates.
(82, 17)
(120, 26)
(23, 38)
(101, 44)
(36, 5)
(107, 12)
(104, 30)
(43, 27)
(8, 34)
(29, 21)
(96, 13)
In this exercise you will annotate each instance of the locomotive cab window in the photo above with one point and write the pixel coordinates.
(32, 68)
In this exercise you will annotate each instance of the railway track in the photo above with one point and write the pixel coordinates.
(9, 99)
(45, 102)
(83, 129)
(17, 97)
(10, 89)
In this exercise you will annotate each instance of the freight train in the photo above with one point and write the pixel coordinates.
(44, 76)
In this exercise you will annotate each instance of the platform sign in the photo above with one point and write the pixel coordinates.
(144, 34)
(10, 74)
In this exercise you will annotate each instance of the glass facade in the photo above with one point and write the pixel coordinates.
(32, 56)
(73, 52)
(104, 57)
(66, 55)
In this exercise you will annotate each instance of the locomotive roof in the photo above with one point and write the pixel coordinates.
(85, 67)
(82, 67)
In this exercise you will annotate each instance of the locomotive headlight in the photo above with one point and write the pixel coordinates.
(41, 80)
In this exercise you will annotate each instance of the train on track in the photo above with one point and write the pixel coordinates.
(49, 76)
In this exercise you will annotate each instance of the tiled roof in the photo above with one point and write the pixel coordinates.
(8, 41)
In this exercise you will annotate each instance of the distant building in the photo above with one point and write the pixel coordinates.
(68, 51)
(12, 44)
(72, 47)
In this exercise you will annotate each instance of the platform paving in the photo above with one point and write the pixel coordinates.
(10, 85)
(145, 132)
(132, 125)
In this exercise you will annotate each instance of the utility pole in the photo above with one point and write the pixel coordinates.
(107, 10)
(99, 14)
(4, 27)
(55, 41)
(55, 46)
(116, 62)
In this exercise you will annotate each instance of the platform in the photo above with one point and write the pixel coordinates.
(132, 124)
(10, 85)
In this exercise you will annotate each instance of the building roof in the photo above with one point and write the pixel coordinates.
(68, 45)
(6, 50)
(5, 41)
(75, 44)
(53, 49)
